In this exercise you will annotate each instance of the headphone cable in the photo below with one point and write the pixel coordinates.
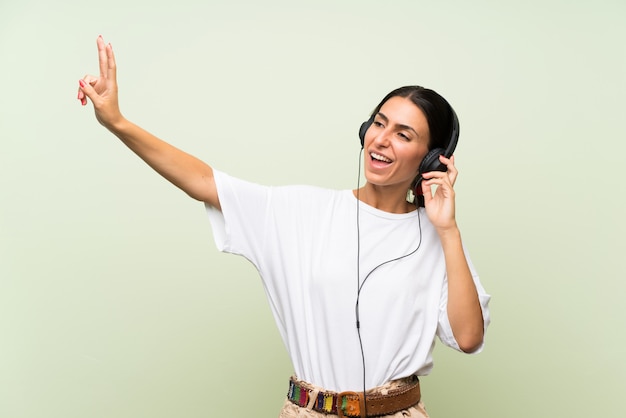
(358, 271)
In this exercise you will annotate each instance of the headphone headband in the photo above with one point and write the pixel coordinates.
(454, 135)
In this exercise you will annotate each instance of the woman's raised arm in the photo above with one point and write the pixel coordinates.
(185, 171)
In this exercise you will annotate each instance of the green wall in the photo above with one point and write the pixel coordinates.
(114, 301)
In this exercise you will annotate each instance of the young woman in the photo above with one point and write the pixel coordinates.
(360, 282)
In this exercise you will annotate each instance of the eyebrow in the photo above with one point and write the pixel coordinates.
(399, 125)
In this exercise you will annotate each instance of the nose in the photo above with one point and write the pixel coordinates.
(381, 138)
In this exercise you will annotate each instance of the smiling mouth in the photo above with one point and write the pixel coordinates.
(378, 157)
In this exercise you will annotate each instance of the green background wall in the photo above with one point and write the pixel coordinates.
(114, 301)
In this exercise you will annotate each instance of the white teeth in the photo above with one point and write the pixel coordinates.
(380, 157)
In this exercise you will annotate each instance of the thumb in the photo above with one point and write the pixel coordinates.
(85, 90)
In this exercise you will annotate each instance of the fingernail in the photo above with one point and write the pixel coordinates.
(82, 83)
(83, 102)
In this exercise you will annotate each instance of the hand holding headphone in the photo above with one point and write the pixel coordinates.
(440, 206)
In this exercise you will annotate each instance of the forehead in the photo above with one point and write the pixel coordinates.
(402, 111)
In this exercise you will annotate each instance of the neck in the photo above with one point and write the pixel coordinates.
(388, 199)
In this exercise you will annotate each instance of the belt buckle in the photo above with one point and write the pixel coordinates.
(354, 405)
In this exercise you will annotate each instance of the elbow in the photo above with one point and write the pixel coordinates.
(470, 343)
(470, 338)
(469, 332)
(203, 190)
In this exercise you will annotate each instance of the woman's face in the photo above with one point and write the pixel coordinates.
(396, 143)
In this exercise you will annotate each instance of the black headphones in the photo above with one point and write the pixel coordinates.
(431, 160)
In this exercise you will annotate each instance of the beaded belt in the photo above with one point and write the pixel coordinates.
(355, 404)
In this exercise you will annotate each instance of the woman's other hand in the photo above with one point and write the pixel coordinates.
(440, 206)
(102, 90)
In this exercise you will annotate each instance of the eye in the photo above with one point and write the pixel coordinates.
(377, 124)
(404, 136)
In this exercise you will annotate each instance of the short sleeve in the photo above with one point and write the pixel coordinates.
(239, 227)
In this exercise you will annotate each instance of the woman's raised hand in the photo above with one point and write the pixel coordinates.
(440, 205)
(102, 90)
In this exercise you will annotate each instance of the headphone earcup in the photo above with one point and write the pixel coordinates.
(431, 161)
(363, 129)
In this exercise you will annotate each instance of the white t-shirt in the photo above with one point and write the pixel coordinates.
(303, 242)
